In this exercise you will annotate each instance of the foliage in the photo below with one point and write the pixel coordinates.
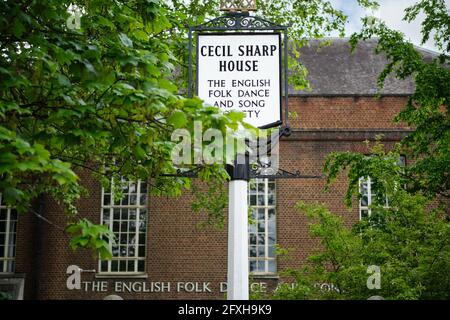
(4, 296)
(427, 109)
(409, 244)
(360, 165)
(98, 98)
(409, 240)
(85, 234)
(97, 85)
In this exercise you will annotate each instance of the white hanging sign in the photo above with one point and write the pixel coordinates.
(241, 72)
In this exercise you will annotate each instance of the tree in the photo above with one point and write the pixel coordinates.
(98, 85)
(94, 96)
(427, 109)
(409, 240)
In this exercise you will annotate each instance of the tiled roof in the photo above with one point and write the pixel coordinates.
(335, 70)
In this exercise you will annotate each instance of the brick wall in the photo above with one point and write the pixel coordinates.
(177, 249)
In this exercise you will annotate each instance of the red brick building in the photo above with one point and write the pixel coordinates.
(164, 254)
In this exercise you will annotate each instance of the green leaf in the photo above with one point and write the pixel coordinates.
(177, 119)
(18, 28)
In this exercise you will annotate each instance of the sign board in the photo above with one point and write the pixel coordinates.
(241, 71)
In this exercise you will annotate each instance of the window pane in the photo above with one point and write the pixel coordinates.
(12, 239)
(254, 213)
(141, 266)
(364, 214)
(261, 187)
(271, 199)
(10, 266)
(142, 226)
(271, 226)
(363, 188)
(143, 200)
(104, 266)
(272, 266)
(13, 214)
(261, 266)
(261, 214)
(261, 251)
(3, 214)
(143, 214)
(252, 238)
(131, 265)
(132, 214)
(252, 251)
(261, 226)
(106, 200)
(12, 251)
(106, 216)
(260, 199)
(261, 238)
(252, 266)
(271, 252)
(141, 238)
(141, 252)
(364, 201)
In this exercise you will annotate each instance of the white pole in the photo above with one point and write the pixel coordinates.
(237, 286)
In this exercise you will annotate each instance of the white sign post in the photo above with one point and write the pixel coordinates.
(240, 72)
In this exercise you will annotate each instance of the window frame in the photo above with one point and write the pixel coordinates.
(267, 207)
(138, 207)
(4, 258)
(368, 180)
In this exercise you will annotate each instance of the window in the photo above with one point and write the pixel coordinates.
(262, 234)
(127, 218)
(8, 228)
(368, 194)
(367, 197)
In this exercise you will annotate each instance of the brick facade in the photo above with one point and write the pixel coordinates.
(177, 249)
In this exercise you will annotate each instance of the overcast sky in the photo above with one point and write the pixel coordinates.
(391, 11)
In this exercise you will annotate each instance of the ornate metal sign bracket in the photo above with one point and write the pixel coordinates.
(242, 21)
